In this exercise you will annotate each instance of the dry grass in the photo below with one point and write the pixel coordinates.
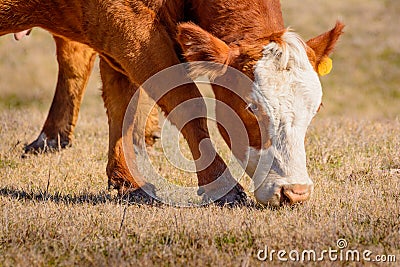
(56, 210)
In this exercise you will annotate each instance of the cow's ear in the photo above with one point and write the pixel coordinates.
(322, 46)
(199, 47)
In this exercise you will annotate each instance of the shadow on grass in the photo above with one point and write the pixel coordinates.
(104, 197)
(85, 198)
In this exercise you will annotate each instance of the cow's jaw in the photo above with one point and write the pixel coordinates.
(288, 90)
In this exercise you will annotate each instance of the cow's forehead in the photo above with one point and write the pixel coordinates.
(286, 50)
(285, 83)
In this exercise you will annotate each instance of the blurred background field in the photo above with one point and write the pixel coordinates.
(365, 82)
(56, 209)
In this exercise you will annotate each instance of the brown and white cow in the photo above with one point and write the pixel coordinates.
(136, 39)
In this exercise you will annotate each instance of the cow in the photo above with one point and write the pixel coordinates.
(75, 63)
(137, 39)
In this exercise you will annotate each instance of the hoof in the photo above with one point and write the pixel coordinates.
(235, 197)
(139, 196)
(134, 195)
(43, 144)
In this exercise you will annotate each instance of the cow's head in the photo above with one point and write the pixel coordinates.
(285, 95)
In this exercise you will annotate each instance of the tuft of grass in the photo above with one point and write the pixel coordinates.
(14, 101)
(8, 163)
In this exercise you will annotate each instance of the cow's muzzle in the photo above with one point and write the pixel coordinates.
(297, 193)
(286, 194)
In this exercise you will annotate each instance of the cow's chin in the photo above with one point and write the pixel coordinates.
(277, 191)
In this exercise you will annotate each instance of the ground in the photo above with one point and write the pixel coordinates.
(56, 209)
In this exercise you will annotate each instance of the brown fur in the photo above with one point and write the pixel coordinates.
(243, 53)
(133, 36)
(75, 62)
(137, 38)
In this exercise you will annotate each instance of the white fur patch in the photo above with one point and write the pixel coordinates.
(259, 165)
(286, 83)
(288, 89)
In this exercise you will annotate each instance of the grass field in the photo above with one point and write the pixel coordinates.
(55, 209)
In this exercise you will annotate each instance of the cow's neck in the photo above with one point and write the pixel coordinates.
(240, 22)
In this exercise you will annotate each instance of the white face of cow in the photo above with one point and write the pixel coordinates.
(285, 88)
(288, 89)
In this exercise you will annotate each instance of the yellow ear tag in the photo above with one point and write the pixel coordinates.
(325, 66)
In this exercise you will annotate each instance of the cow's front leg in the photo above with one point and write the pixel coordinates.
(117, 93)
(214, 178)
(75, 62)
(140, 63)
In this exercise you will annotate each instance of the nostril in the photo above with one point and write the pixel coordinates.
(297, 193)
(284, 199)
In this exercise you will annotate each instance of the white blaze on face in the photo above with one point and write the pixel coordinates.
(288, 89)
